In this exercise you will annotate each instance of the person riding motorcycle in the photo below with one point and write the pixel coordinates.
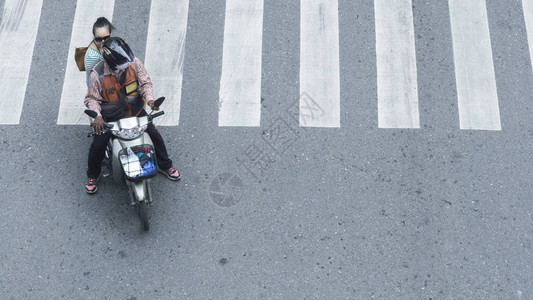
(119, 86)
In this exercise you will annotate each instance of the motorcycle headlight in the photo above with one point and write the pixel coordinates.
(129, 133)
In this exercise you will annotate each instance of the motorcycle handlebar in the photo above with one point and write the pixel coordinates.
(157, 114)
(106, 125)
(110, 126)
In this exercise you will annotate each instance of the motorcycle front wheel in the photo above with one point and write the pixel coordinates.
(143, 215)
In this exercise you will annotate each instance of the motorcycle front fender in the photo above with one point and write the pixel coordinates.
(140, 190)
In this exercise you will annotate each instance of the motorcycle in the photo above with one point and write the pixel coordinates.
(130, 157)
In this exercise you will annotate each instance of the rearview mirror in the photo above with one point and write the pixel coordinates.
(159, 101)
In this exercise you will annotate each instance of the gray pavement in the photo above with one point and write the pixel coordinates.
(352, 213)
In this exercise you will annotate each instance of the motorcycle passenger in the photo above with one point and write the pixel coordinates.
(102, 30)
(119, 86)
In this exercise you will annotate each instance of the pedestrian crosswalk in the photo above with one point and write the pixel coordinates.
(396, 64)
(527, 6)
(18, 31)
(241, 74)
(240, 83)
(165, 52)
(319, 61)
(474, 69)
(74, 85)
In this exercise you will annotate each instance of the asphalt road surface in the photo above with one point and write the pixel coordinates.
(353, 212)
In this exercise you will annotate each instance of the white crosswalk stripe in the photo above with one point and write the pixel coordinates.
(165, 51)
(396, 65)
(319, 62)
(527, 6)
(74, 85)
(474, 68)
(18, 31)
(240, 81)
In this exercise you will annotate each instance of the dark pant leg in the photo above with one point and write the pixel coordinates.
(163, 160)
(97, 154)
